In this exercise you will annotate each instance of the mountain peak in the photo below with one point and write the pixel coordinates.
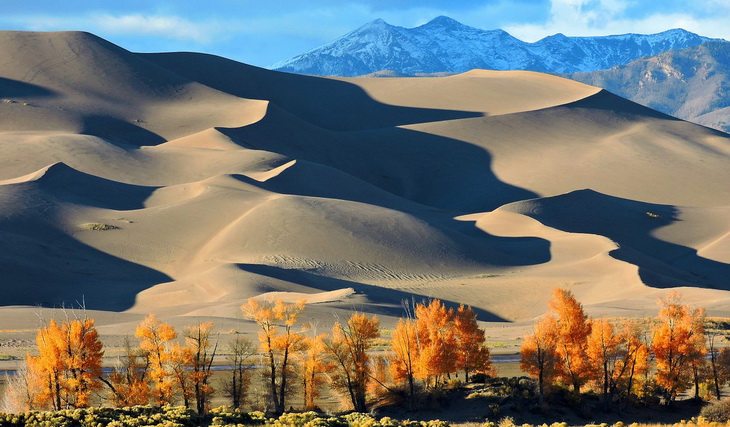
(444, 22)
(446, 45)
(376, 24)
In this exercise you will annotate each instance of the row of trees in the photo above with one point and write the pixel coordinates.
(615, 358)
(429, 346)
(67, 371)
(425, 349)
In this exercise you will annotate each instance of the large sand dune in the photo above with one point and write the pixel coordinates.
(185, 183)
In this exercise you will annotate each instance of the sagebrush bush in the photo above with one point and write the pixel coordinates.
(179, 416)
(717, 411)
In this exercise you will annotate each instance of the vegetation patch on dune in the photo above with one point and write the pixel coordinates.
(98, 226)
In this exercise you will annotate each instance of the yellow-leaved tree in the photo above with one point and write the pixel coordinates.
(278, 347)
(68, 366)
(679, 341)
(404, 344)
(202, 352)
(155, 340)
(573, 328)
(472, 354)
(437, 344)
(315, 367)
(349, 347)
(128, 380)
(539, 356)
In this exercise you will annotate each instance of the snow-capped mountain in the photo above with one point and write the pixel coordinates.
(445, 45)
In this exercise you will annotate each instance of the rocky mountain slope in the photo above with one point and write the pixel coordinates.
(692, 84)
(445, 45)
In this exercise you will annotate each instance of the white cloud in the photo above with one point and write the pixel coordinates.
(172, 27)
(604, 17)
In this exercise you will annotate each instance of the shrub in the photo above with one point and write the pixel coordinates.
(97, 226)
(479, 378)
(718, 411)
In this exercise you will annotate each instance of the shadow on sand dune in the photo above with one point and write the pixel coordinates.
(337, 124)
(55, 269)
(114, 129)
(326, 103)
(631, 224)
(10, 89)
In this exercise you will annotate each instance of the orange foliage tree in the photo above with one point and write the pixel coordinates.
(603, 351)
(155, 340)
(315, 366)
(278, 348)
(179, 359)
(404, 344)
(202, 352)
(348, 346)
(633, 361)
(68, 366)
(539, 356)
(679, 342)
(128, 380)
(47, 369)
(472, 354)
(573, 328)
(437, 342)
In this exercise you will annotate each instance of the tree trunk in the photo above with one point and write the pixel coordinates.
(234, 390)
(282, 386)
(696, 374)
(274, 396)
(715, 379)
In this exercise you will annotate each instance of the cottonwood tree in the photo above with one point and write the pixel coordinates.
(68, 366)
(678, 343)
(278, 347)
(155, 339)
(719, 359)
(437, 344)
(315, 367)
(633, 363)
(240, 350)
(19, 394)
(573, 328)
(539, 356)
(405, 346)
(472, 354)
(348, 346)
(128, 380)
(200, 363)
(604, 353)
(179, 361)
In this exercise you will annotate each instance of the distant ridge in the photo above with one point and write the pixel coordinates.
(444, 45)
(692, 84)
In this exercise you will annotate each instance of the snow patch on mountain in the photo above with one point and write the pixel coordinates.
(446, 45)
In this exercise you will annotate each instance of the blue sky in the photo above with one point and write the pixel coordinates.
(261, 32)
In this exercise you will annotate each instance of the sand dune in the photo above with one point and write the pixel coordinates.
(185, 183)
